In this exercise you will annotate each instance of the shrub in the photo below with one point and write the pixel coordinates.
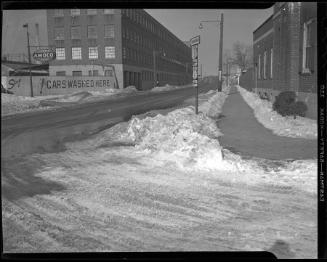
(298, 109)
(283, 102)
(286, 105)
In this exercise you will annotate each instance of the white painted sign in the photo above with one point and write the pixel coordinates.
(44, 55)
(55, 85)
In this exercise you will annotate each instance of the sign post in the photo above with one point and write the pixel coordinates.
(195, 41)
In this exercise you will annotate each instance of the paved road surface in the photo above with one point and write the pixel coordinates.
(28, 132)
(244, 134)
(93, 111)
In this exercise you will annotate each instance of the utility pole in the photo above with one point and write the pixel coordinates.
(29, 58)
(220, 79)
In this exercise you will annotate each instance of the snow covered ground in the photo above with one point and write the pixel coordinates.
(159, 182)
(168, 87)
(12, 104)
(283, 126)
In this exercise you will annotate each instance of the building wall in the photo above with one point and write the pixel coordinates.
(145, 42)
(308, 81)
(263, 42)
(136, 36)
(84, 20)
(247, 79)
(283, 32)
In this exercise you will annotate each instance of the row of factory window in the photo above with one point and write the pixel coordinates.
(92, 32)
(135, 16)
(132, 77)
(147, 59)
(77, 12)
(149, 43)
(90, 73)
(109, 53)
(138, 18)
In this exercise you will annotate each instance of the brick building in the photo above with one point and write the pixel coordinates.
(285, 53)
(138, 47)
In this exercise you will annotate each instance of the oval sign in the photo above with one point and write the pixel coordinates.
(44, 55)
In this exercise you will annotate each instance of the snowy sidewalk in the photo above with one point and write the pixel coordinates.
(245, 135)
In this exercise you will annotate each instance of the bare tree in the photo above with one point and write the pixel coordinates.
(243, 55)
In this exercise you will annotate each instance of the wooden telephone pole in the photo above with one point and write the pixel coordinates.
(220, 70)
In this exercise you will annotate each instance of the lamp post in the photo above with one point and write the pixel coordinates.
(29, 58)
(220, 51)
(154, 65)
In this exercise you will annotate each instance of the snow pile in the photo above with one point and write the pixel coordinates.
(71, 98)
(11, 104)
(128, 89)
(179, 136)
(213, 106)
(301, 174)
(167, 87)
(283, 126)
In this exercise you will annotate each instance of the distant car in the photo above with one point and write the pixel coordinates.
(5, 91)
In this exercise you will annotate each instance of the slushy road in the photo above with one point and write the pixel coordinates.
(23, 133)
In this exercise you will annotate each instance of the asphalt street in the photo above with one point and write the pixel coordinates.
(109, 108)
(44, 131)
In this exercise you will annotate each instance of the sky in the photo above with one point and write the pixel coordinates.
(184, 23)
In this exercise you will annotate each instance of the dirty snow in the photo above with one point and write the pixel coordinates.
(12, 104)
(159, 183)
(168, 87)
(300, 127)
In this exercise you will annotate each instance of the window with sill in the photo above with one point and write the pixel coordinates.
(91, 11)
(76, 32)
(108, 11)
(76, 53)
(58, 13)
(93, 52)
(75, 12)
(59, 33)
(91, 32)
(110, 52)
(308, 48)
(109, 31)
(60, 54)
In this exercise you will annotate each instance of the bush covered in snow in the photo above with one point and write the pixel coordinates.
(298, 108)
(280, 125)
(286, 105)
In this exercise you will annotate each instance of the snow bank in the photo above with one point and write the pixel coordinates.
(12, 104)
(76, 97)
(191, 143)
(167, 87)
(300, 174)
(300, 127)
(213, 106)
(180, 136)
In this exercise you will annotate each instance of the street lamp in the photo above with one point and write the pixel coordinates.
(154, 65)
(220, 51)
(29, 58)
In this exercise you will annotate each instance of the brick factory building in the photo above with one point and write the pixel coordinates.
(89, 42)
(285, 53)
